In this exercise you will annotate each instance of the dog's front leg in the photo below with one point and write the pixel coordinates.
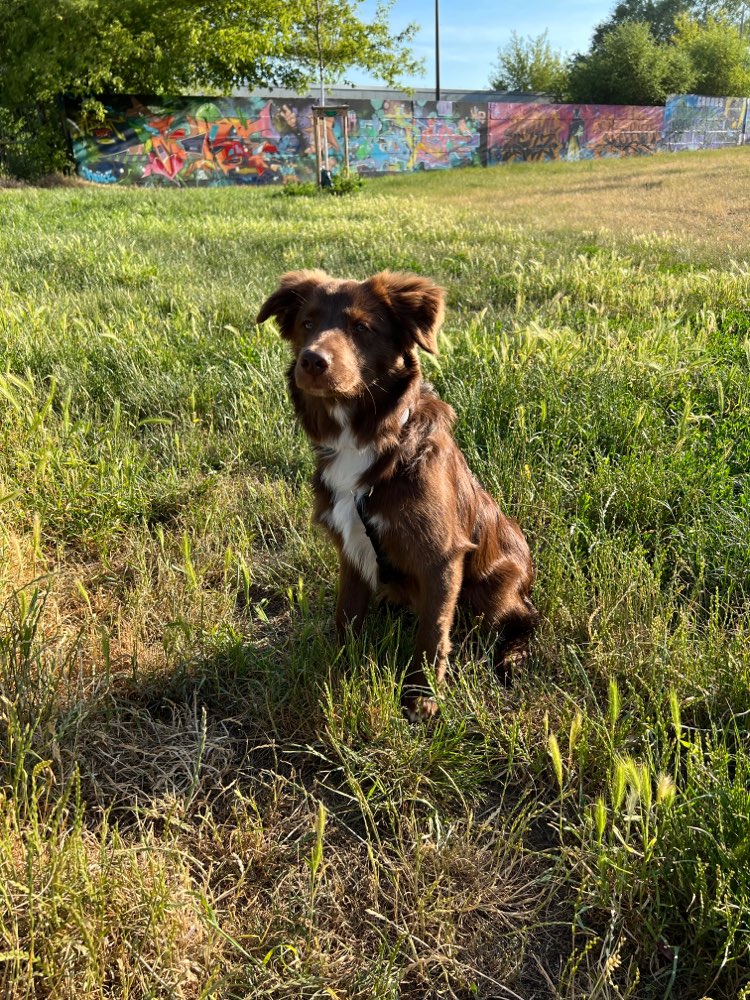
(436, 609)
(353, 599)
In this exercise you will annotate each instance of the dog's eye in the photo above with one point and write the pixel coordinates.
(360, 328)
(308, 324)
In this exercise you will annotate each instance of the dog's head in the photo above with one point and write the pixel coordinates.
(348, 335)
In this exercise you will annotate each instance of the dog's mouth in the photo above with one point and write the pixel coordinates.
(325, 384)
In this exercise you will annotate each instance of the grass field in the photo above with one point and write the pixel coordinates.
(201, 795)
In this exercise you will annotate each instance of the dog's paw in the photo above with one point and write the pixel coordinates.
(514, 660)
(420, 708)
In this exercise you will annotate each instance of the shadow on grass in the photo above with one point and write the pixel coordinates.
(284, 701)
(235, 754)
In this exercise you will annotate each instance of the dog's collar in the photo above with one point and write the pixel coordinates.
(404, 417)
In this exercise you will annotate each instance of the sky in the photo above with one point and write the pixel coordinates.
(471, 31)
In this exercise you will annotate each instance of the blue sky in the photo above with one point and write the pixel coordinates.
(472, 32)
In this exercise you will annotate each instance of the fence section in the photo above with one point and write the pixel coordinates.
(693, 122)
(528, 132)
(259, 140)
(216, 141)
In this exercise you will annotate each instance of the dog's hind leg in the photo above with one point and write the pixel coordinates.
(501, 600)
(436, 608)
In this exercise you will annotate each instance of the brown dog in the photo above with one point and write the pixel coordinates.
(391, 486)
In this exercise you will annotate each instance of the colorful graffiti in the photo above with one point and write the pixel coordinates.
(381, 137)
(261, 141)
(195, 141)
(534, 132)
(448, 135)
(693, 122)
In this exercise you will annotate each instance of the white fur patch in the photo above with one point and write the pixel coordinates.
(342, 476)
(379, 523)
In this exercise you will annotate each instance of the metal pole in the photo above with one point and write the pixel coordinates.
(437, 50)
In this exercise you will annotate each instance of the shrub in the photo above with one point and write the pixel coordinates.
(342, 184)
(32, 142)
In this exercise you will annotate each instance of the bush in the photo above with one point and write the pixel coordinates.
(32, 143)
(342, 184)
(347, 184)
(630, 67)
(307, 190)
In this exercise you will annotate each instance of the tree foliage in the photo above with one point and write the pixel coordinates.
(630, 67)
(719, 54)
(88, 47)
(659, 15)
(327, 38)
(530, 65)
(85, 47)
(662, 15)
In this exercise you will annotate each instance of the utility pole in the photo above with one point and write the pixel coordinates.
(437, 50)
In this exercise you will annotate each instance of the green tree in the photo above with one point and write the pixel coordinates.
(659, 15)
(530, 65)
(85, 48)
(630, 67)
(89, 47)
(662, 15)
(328, 37)
(719, 54)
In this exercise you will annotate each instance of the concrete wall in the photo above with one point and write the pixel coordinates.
(258, 140)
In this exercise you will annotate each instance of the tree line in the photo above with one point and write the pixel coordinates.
(86, 48)
(82, 49)
(644, 51)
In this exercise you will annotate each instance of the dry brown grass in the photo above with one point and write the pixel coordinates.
(56, 180)
(701, 197)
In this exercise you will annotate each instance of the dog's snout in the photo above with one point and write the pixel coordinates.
(314, 362)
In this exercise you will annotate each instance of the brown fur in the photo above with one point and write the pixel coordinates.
(439, 538)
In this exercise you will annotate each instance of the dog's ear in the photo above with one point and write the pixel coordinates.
(418, 305)
(295, 287)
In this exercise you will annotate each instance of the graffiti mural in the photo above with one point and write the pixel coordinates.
(693, 122)
(265, 141)
(381, 136)
(448, 134)
(196, 141)
(261, 141)
(536, 132)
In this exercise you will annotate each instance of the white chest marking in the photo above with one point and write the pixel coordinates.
(342, 476)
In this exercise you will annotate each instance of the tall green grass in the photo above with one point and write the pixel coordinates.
(202, 794)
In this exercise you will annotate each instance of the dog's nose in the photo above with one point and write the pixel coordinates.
(314, 363)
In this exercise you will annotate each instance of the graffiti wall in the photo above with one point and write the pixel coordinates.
(260, 140)
(693, 122)
(381, 137)
(195, 141)
(533, 132)
(448, 135)
(253, 140)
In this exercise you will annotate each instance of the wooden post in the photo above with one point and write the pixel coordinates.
(316, 137)
(345, 116)
(320, 115)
